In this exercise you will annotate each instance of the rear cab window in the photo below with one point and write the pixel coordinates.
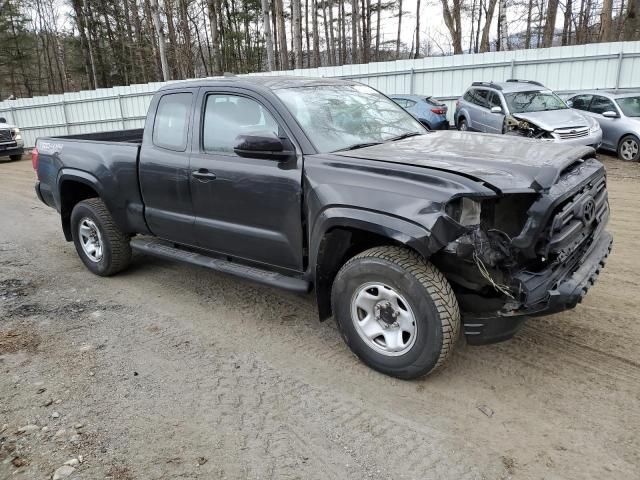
(171, 123)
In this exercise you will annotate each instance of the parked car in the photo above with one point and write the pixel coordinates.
(429, 111)
(525, 108)
(618, 114)
(11, 143)
(407, 236)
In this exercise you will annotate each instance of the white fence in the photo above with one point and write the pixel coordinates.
(564, 69)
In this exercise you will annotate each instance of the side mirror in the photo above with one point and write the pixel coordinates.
(569, 103)
(610, 114)
(262, 146)
(3, 120)
(496, 109)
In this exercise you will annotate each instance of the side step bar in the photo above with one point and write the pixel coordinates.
(163, 249)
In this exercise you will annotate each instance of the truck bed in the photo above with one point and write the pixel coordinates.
(118, 136)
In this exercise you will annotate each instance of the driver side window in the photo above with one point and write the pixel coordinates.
(227, 116)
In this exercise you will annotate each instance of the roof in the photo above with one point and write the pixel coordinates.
(267, 82)
(512, 86)
(610, 93)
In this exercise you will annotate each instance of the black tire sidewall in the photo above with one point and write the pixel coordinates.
(622, 140)
(460, 122)
(15, 158)
(424, 354)
(83, 210)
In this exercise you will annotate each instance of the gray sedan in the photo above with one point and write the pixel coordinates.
(619, 116)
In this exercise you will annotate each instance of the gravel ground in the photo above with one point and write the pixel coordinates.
(171, 371)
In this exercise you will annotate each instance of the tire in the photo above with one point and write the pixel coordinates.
(424, 294)
(115, 251)
(629, 148)
(463, 125)
(15, 158)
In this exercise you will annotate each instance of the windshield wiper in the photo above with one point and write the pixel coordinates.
(404, 135)
(358, 145)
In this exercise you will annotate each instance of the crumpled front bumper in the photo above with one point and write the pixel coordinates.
(551, 291)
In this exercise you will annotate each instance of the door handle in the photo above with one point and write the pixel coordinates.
(203, 174)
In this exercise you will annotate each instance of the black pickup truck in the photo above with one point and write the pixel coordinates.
(406, 236)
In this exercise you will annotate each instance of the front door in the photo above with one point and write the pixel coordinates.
(244, 207)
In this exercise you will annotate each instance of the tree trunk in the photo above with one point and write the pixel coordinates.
(297, 32)
(550, 24)
(316, 36)
(417, 54)
(161, 40)
(214, 7)
(282, 36)
(399, 28)
(453, 22)
(632, 21)
(326, 33)
(378, 11)
(343, 26)
(268, 35)
(566, 28)
(503, 31)
(484, 43)
(527, 37)
(354, 31)
(332, 38)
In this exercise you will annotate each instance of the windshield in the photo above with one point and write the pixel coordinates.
(536, 101)
(630, 106)
(337, 117)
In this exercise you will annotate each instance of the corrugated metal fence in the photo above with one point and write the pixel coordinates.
(564, 69)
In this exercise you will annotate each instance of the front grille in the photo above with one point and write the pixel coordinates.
(569, 133)
(578, 217)
(5, 136)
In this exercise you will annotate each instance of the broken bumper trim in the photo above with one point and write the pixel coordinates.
(567, 293)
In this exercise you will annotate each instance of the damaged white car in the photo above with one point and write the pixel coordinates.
(525, 108)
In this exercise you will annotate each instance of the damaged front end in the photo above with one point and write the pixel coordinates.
(525, 128)
(527, 254)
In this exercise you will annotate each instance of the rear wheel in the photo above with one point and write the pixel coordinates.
(629, 148)
(463, 126)
(101, 245)
(15, 158)
(396, 311)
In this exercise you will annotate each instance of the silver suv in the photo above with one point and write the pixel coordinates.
(525, 108)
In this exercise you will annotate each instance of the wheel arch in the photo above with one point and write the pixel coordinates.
(73, 187)
(343, 233)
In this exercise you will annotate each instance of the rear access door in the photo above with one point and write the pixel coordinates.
(164, 166)
(249, 208)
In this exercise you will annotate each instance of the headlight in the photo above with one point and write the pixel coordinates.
(465, 211)
(16, 134)
(595, 126)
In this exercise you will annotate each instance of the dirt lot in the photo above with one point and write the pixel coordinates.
(170, 371)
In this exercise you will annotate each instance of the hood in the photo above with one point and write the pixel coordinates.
(5, 126)
(553, 119)
(508, 163)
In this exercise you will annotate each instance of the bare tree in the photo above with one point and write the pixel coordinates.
(605, 20)
(297, 32)
(452, 20)
(399, 28)
(354, 31)
(550, 24)
(632, 21)
(161, 40)
(484, 42)
(417, 54)
(267, 33)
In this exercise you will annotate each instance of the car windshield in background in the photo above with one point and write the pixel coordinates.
(536, 101)
(339, 117)
(630, 106)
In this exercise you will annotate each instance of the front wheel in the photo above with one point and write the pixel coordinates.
(15, 158)
(463, 126)
(396, 311)
(101, 245)
(629, 148)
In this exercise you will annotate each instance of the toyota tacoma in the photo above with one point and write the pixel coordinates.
(407, 237)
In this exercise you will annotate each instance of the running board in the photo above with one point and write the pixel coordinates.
(159, 248)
